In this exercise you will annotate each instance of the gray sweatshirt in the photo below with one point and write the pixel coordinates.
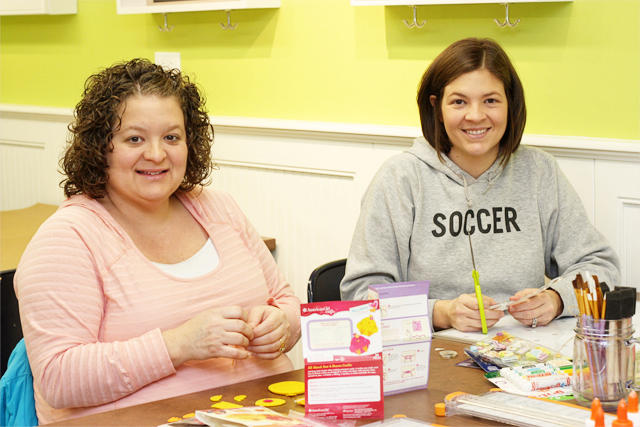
(525, 221)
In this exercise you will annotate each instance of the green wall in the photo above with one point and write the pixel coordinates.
(325, 60)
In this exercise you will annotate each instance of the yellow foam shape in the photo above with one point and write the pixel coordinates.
(271, 402)
(240, 397)
(300, 401)
(287, 388)
(216, 398)
(225, 405)
(191, 415)
(173, 419)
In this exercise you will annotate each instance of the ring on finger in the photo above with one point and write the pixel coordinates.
(282, 345)
(534, 322)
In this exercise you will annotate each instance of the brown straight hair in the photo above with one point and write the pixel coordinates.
(465, 56)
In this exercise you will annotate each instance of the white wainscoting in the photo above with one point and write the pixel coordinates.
(301, 182)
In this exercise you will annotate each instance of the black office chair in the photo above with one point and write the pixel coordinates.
(10, 327)
(324, 282)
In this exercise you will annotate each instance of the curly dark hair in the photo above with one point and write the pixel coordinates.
(96, 118)
(465, 56)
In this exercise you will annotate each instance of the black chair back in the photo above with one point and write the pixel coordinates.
(10, 327)
(324, 282)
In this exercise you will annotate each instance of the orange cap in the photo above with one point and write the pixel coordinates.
(599, 417)
(595, 404)
(622, 420)
(440, 409)
(633, 402)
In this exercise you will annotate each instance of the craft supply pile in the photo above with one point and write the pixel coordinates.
(387, 341)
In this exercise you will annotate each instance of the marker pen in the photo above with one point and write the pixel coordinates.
(529, 372)
(542, 374)
(560, 380)
(532, 367)
(537, 368)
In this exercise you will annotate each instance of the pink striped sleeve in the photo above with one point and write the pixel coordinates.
(59, 286)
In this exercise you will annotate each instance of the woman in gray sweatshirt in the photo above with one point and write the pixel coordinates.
(469, 179)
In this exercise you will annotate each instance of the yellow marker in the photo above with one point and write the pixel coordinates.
(476, 284)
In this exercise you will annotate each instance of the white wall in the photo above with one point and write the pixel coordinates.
(301, 182)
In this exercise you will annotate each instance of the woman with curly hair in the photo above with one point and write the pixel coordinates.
(145, 284)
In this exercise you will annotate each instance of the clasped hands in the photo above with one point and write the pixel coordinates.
(230, 332)
(462, 313)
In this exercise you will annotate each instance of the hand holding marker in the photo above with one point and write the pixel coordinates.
(476, 284)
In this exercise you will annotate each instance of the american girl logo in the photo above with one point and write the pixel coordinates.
(307, 311)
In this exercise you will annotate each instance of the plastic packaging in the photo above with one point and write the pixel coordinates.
(517, 410)
(505, 350)
(537, 377)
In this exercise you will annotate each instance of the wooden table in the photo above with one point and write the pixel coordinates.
(17, 227)
(444, 378)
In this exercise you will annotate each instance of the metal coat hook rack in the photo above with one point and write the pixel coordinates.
(229, 26)
(415, 20)
(166, 27)
(506, 22)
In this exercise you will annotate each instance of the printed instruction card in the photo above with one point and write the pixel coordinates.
(406, 334)
(342, 349)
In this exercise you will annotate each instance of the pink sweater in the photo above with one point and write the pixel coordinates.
(93, 308)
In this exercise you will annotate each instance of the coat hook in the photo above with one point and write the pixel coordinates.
(415, 20)
(506, 22)
(229, 26)
(166, 27)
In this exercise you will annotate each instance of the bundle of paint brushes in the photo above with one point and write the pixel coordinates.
(590, 295)
(596, 301)
(604, 325)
